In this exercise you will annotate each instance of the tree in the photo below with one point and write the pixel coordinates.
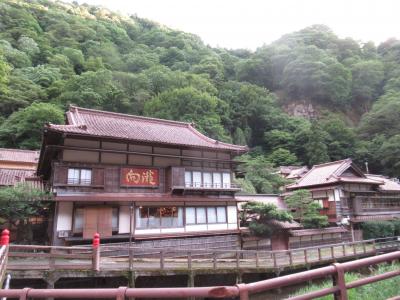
(317, 76)
(260, 172)
(383, 117)
(4, 72)
(259, 217)
(189, 105)
(19, 203)
(316, 148)
(23, 128)
(282, 157)
(367, 79)
(306, 210)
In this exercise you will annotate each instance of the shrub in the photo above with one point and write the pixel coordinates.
(378, 229)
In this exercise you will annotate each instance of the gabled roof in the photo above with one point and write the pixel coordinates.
(90, 122)
(388, 183)
(10, 177)
(19, 155)
(332, 173)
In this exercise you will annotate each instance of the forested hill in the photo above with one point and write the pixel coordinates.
(53, 54)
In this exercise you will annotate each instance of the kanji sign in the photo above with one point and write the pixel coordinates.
(139, 177)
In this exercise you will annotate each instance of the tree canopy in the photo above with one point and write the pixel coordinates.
(306, 98)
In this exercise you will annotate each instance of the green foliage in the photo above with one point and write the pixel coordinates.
(62, 53)
(258, 216)
(19, 203)
(260, 172)
(378, 229)
(282, 157)
(23, 127)
(190, 105)
(380, 290)
(306, 210)
(4, 72)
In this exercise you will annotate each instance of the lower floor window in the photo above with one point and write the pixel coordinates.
(159, 217)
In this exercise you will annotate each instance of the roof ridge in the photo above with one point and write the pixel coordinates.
(206, 138)
(128, 116)
(332, 162)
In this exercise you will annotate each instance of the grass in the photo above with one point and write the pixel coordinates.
(375, 291)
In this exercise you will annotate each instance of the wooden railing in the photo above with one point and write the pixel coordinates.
(119, 258)
(242, 291)
(3, 263)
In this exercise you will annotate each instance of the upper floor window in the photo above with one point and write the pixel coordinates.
(79, 176)
(206, 179)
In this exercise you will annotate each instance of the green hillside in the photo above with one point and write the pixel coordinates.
(53, 54)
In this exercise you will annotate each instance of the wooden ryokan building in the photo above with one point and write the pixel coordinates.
(350, 197)
(118, 174)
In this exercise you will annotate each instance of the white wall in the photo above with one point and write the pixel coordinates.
(64, 218)
(232, 214)
(124, 217)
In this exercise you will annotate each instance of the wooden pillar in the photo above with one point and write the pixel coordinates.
(190, 282)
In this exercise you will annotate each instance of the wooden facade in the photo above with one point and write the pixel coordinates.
(348, 196)
(148, 189)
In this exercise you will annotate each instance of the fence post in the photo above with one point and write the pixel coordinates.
(96, 252)
(319, 254)
(189, 256)
(332, 252)
(339, 281)
(344, 250)
(274, 257)
(290, 257)
(215, 260)
(237, 259)
(305, 256)
(243, 291)
(257, 260)
(162, 259)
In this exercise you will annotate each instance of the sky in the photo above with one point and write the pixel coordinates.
(252, 23)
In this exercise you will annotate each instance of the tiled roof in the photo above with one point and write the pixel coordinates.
(12, 176)
(92, 122)
(388, 184)
(297, 173)
(330, 173)
(303, 232)
(18, 155)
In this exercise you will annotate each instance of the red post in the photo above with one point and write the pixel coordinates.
(5, 237)
(96, 252)
(96, 240)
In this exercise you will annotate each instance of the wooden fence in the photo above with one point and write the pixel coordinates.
(242, 291)
(124, 258)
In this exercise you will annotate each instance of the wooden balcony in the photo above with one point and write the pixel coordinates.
(376, 205)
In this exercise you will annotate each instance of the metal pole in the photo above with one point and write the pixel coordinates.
(130, 237)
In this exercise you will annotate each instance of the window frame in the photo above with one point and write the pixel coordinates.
(79, 180)
(220, 184)
(147, 227)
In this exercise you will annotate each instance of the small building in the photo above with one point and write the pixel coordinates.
(350, 197)
(152, 179)
(292, 172)
(17, 165)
